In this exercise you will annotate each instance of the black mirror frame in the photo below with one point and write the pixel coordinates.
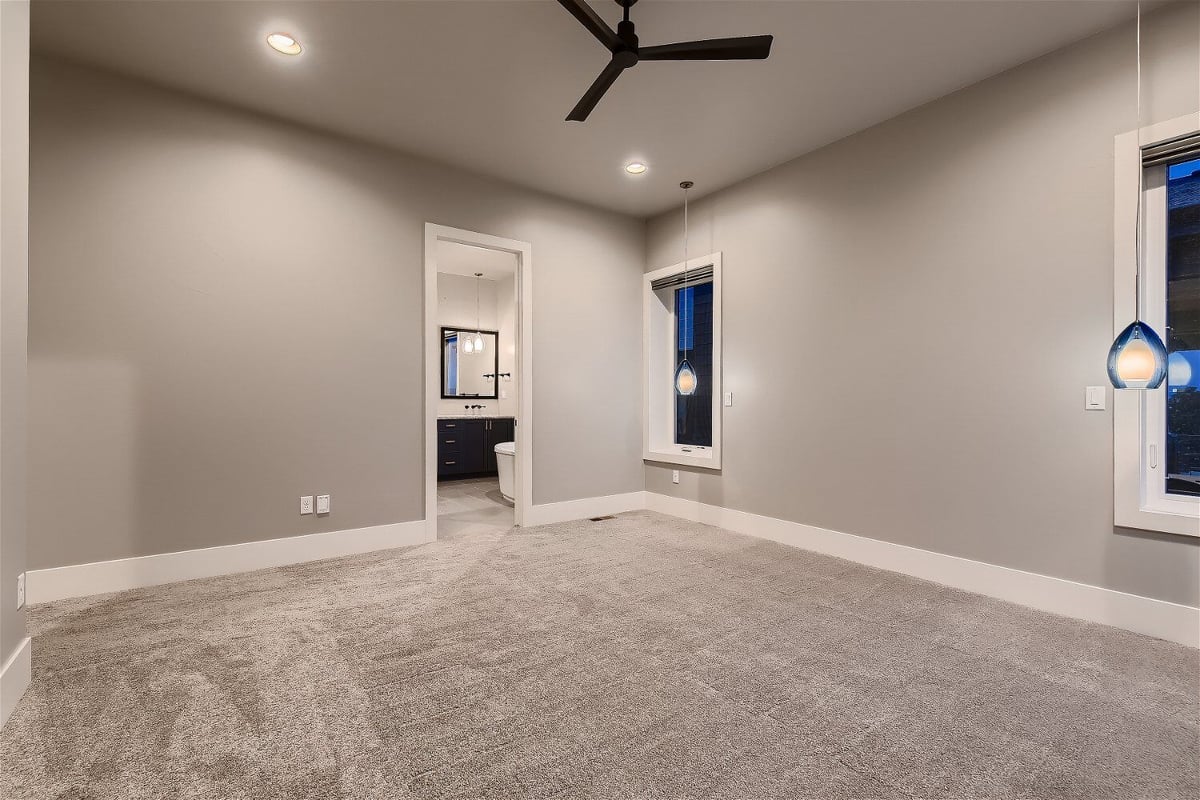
(495, 395)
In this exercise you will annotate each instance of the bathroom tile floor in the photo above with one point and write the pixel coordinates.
(474, 505)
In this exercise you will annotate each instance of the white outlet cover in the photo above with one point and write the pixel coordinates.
(21, 591)
(728, 399)
(674, 476)
(322, 504)
(306, 504)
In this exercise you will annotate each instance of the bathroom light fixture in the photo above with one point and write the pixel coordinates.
(685, 377)
(635, 168)
(478, 339)
(1138, 358)
(283, 43)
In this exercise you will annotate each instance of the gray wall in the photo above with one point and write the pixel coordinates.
(225, 314)
(944, 285)
(14, 295)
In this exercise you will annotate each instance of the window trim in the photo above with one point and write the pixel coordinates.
(1139, 501)
(658, 374)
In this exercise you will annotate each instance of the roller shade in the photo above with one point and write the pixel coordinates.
(694, 276)
(1181, 148)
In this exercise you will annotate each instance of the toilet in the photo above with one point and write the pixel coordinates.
(506, 455)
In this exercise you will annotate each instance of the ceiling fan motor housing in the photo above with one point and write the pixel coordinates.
(626, 56)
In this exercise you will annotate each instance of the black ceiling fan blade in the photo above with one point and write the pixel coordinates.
(591, 20)
(737, 48)
(592, 96)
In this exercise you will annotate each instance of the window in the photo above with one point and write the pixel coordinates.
(694, 343)
(1156, 433)
(1183, 329)
(682, 323)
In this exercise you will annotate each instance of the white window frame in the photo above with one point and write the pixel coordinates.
(1139, 416)
(658, 385)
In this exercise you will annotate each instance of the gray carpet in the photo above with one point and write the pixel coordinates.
(637, 657)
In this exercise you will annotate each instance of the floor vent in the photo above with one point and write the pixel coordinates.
(601, 519)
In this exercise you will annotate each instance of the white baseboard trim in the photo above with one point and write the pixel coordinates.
(101, 577)
(14, 679)
(1145, 615)
(568, 510)
(1158, 618)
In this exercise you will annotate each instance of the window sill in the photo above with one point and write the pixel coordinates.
(1185, 522)
(689, 456)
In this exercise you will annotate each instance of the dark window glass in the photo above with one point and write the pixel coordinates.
(694, 341)
(452, 365)
(1183, 328)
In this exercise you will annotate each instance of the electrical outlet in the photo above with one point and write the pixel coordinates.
(322, 504)
(674, 476)
(728, 399)
(21, 590)
(306, 504)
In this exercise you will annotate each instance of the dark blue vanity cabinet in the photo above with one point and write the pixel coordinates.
(467, 446)
(497, 430)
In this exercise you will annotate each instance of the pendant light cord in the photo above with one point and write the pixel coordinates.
(1137, 220)
(685, 185)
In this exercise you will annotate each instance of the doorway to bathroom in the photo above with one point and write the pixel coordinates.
(478, 381)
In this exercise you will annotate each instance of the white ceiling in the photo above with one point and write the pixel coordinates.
(485, 85)
(465, 259)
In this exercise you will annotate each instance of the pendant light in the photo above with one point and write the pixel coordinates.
(478, 339)
(686, 381)
(1138, 358)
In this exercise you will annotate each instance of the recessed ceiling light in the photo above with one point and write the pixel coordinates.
(284, 44)
(635, 168)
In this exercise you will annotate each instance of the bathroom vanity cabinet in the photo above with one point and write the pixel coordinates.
(466, 445)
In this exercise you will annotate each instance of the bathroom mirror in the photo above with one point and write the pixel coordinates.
(467, 370)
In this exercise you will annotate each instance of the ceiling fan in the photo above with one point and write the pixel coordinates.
(623, 44)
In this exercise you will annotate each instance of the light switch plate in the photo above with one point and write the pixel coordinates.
(728, 399)
(306, 504)
(21, 591)
(1094, 397)
(322, 504)
(674, 476)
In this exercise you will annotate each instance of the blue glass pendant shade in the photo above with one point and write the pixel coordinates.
(1137, 359)
(685, 379)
